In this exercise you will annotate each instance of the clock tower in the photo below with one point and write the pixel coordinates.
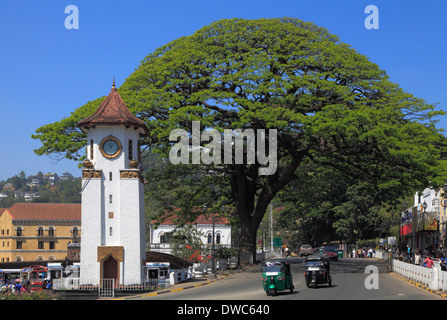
(113, 231)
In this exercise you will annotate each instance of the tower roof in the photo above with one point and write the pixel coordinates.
(112, 111)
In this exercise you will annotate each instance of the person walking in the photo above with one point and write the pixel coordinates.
(417, 257)
(428, 262)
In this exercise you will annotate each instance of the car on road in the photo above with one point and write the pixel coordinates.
(305, 250)
(330, 252)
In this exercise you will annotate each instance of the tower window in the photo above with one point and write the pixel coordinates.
(110, 231)
(110, 176)
(130, 150)
(91, 149)
(110, 198)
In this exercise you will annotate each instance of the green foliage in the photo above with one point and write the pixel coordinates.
(62, 139)
(225, 253)
(331, 106)
(185, 243)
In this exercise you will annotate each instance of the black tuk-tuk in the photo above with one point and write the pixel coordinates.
(276, 276)
(317, 271)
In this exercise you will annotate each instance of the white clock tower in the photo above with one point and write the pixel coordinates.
(113, 234)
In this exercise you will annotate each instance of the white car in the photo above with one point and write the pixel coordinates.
(306, 249)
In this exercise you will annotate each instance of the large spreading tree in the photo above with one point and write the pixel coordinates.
(330, 105)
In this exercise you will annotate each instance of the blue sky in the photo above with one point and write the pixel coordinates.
(47, 71)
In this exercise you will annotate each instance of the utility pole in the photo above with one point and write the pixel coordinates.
(271, 227)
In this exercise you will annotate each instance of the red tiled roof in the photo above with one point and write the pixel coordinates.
(172, 219)
(176, 262)
(112, 111)
(45, 211)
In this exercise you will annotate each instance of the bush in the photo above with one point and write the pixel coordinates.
(34, 295)
(225, 253)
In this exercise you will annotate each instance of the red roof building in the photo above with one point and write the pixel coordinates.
(38, 231)
(161, 231)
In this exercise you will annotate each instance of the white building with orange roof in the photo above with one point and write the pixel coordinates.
(161, 232)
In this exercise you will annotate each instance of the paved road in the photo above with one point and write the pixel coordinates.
(348, 277)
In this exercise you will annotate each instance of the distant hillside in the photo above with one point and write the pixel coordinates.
(39, 188)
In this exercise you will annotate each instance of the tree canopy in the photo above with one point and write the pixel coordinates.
(330, 105)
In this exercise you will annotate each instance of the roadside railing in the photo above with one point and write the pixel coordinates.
(434, 278)
(96, 284)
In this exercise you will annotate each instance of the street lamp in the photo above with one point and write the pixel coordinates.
(213, 267)
(444, 205)
(404, 207)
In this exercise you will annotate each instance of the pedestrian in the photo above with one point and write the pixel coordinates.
(443, 266)
(417, 257)
(353, 253)
(428, 262)
(287, 253)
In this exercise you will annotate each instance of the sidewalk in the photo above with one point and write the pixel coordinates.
(191, 283)
(420, 285)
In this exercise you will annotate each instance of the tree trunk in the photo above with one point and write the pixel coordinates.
(251, 207)
(248, 237)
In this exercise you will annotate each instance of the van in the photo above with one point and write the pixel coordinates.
(306, 249)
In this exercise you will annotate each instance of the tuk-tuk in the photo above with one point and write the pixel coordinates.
(276, 276)
(317, 271)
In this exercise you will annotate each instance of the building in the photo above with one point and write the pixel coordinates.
(113, 229)
(422, 224)
(38, 231)
(50, 178)
(161, 232)
(66, 176)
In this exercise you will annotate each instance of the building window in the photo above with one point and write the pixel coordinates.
(110, 231)
(40, 245)
(218, 238)
(19, 245)
(91, 149)
(75, 234)
(19, 231)
(130, 150)
(110, 176)
(40, 232)
(51, 232)
(110, 198)
(52, 245)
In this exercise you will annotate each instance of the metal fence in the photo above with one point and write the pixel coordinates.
(106, 287)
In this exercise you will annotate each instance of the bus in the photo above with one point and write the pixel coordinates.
(9, 276)
(37, 276)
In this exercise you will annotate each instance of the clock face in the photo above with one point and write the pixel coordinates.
(110, 147)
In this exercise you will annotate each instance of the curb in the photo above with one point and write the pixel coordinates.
(158, 292)
(420, 285)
